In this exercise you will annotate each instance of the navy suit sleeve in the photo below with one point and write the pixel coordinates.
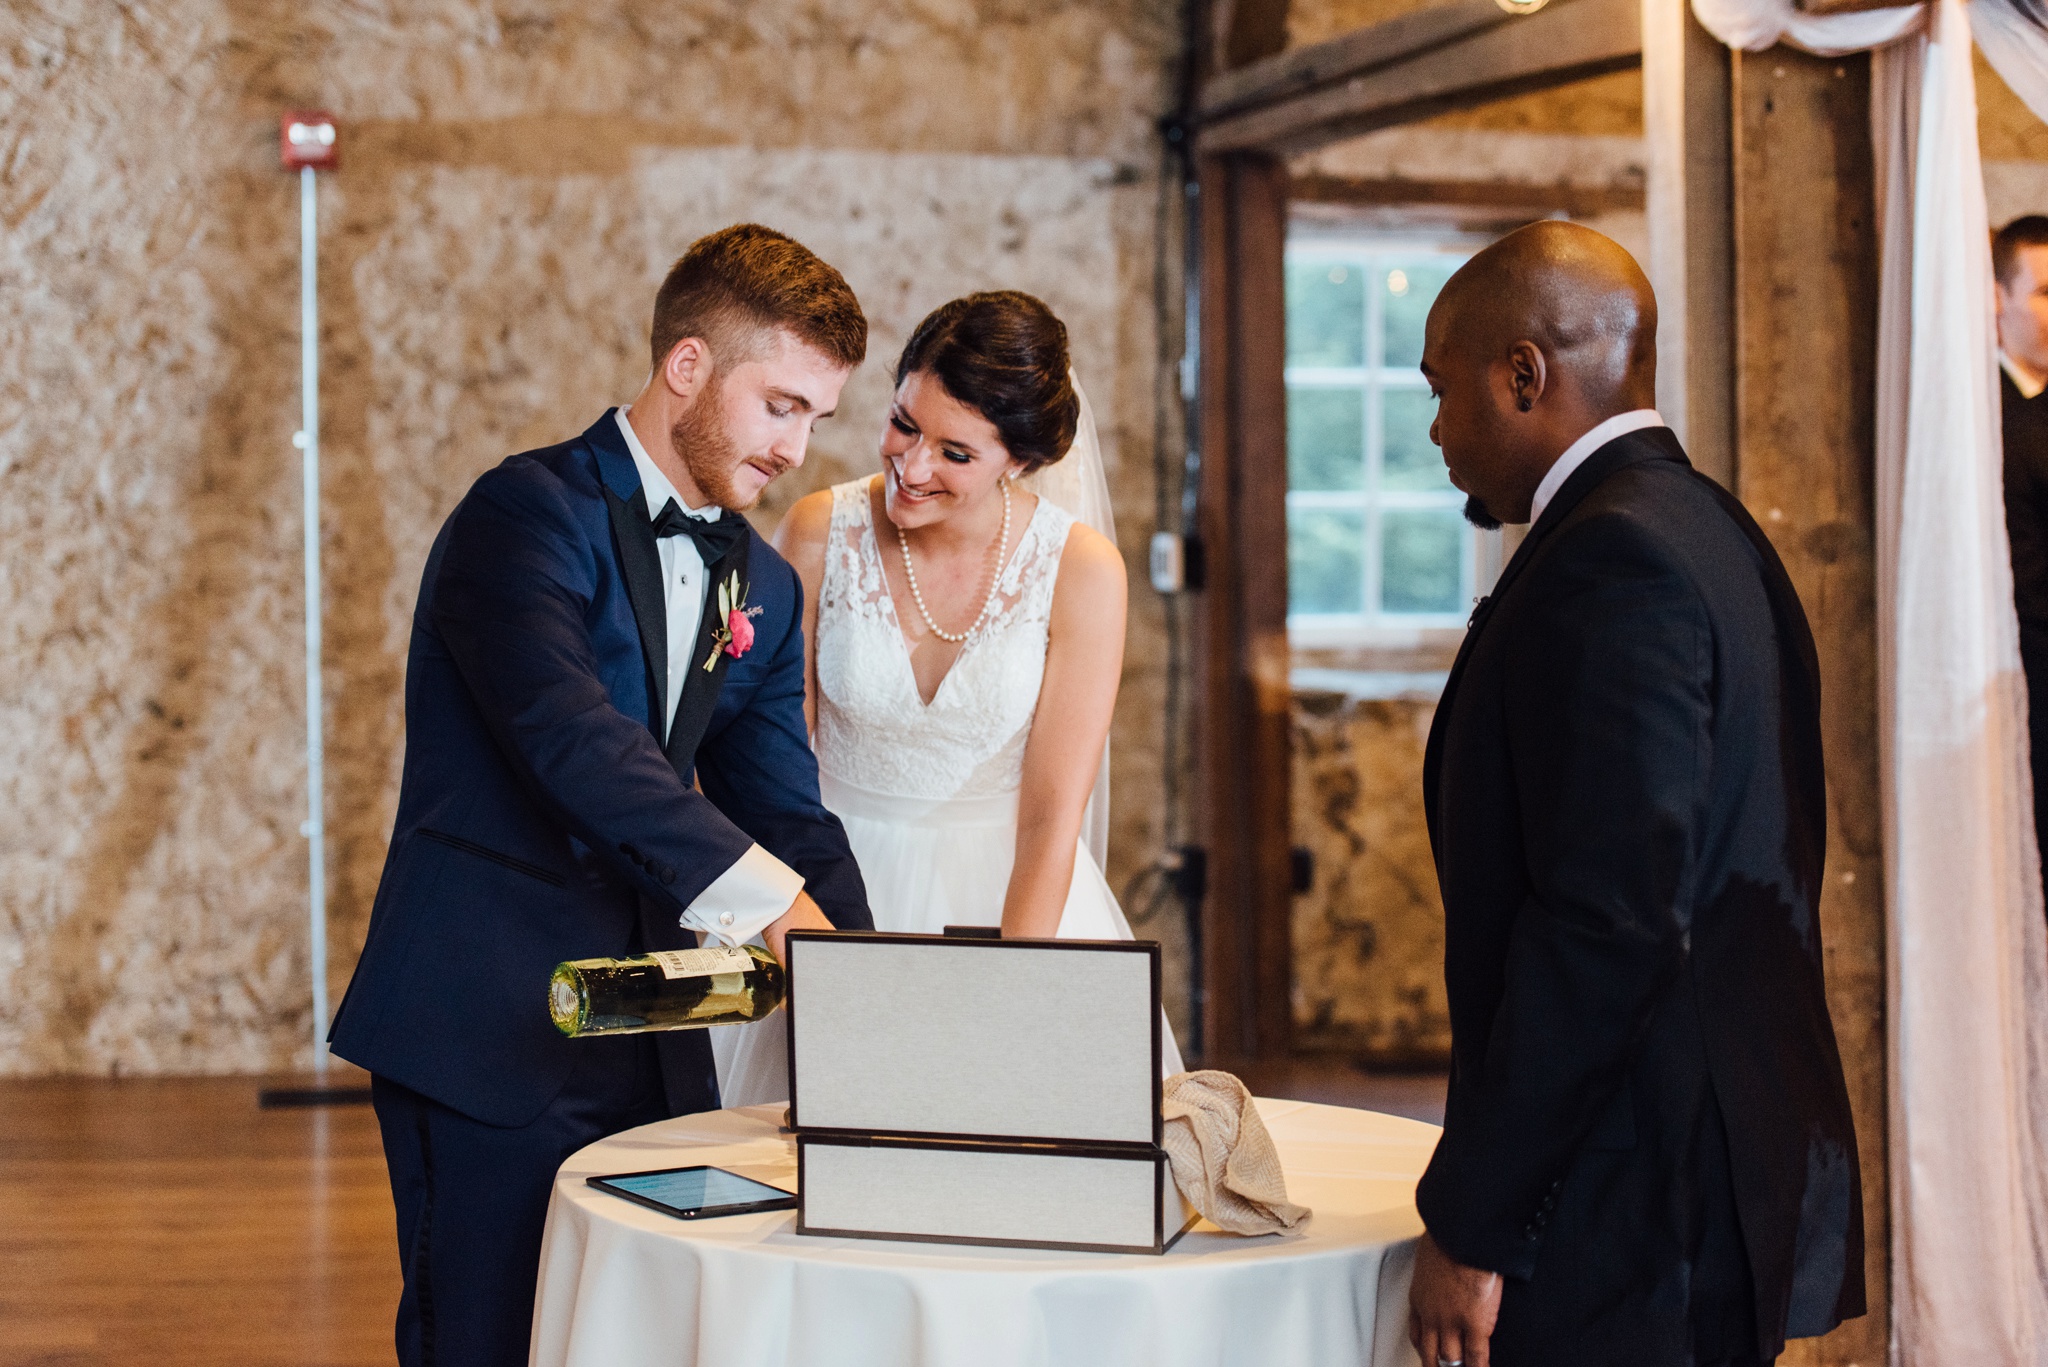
(510, 602)
(1608, 724)
(760, 770)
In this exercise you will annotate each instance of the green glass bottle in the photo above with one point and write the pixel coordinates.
(675, 989)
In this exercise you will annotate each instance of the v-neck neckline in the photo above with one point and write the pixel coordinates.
(904, 644)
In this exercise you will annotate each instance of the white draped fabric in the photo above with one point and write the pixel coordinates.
(1753, 25)
(1967, 949)
(2015, 46)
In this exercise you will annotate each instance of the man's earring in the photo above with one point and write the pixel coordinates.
(1525, 403)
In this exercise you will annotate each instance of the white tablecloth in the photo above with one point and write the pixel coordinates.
(624, 1286)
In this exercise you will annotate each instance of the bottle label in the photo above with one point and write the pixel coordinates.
(695, 963)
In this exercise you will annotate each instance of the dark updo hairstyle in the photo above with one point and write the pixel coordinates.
(1003, 354)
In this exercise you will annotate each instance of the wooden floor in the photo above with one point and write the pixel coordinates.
(170, 1222)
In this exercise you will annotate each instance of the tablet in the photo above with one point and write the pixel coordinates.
(696, 1193)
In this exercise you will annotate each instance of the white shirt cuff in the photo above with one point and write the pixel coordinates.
(746, 899)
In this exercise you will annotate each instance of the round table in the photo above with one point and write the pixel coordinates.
(625, 1286)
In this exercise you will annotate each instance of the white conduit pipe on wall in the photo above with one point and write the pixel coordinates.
(308, 441)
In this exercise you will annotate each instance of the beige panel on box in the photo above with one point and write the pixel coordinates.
(1003, 1039)
(988, 1195)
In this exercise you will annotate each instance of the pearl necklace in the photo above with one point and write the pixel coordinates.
(917, 595)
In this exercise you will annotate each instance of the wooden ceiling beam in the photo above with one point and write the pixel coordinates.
(1349, 54)
(1451, 57)
(1243, 32)
(1513, 197)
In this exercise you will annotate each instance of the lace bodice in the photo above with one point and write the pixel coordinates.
(873, 730)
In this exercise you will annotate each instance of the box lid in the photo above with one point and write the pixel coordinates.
(1031, 1040)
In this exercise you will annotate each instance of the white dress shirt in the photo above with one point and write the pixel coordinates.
(1621, 424)
(2028, 386)
(744, 899)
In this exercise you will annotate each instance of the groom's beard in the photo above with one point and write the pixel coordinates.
(1476, 514)
(710, 454)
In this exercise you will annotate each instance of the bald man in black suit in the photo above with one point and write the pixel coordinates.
(1647, 1157)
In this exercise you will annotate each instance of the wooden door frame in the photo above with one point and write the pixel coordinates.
(1246, 120)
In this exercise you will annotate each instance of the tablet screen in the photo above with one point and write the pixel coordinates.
(696, 1193)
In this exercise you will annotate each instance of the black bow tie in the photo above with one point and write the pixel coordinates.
(715, 539)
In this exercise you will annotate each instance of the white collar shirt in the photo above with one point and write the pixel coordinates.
(1621, 424)
(683, 589)
(742, 901)
(2028, 386)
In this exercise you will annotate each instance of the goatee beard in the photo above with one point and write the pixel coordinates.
(709, 453)
(1476, 514)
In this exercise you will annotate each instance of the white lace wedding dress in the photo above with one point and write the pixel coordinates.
(927, 791)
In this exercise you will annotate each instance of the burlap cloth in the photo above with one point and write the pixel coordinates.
(1222, 1158)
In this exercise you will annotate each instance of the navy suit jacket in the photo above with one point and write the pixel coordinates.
(538, 818)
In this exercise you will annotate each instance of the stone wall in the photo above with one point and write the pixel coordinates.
(1369, 933)
(516, 176)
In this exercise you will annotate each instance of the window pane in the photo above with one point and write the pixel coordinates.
(1408, 458)
(1326, 439)
(1325, 313)
(1325, 561)
(1422, 554)
(1411, 286)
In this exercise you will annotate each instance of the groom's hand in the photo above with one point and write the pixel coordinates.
(803, 914)
(1451, 1308)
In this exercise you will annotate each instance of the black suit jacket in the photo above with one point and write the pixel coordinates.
(1647, 1131)
(538, 817)
(2026, 527)
(2026, 501)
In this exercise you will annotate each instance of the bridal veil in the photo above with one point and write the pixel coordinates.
(1079, 486)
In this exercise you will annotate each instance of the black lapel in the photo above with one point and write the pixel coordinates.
(700, 685)
(1650, 443)
(640, 564)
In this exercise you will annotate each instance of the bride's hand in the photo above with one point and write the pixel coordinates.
(803, 914)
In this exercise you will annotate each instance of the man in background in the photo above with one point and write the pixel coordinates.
(2019, 260)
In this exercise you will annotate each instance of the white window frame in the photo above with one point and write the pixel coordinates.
(1480, 561)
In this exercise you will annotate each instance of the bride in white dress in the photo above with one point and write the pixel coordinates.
(966, 636)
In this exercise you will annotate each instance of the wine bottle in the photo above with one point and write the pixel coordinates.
(672, 989)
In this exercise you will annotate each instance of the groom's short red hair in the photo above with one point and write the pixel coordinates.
(738, 283)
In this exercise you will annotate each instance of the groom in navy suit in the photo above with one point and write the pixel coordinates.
(571, 674)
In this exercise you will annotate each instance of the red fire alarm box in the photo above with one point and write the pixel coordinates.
(306, 137)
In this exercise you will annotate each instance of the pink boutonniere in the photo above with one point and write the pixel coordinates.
(736, 634)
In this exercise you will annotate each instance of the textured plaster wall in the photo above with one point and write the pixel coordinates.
(516, 177)
(1369, 934)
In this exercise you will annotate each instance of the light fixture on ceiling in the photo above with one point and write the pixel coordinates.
(1521, 6)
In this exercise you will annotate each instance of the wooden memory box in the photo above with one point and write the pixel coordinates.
(979, 1091)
